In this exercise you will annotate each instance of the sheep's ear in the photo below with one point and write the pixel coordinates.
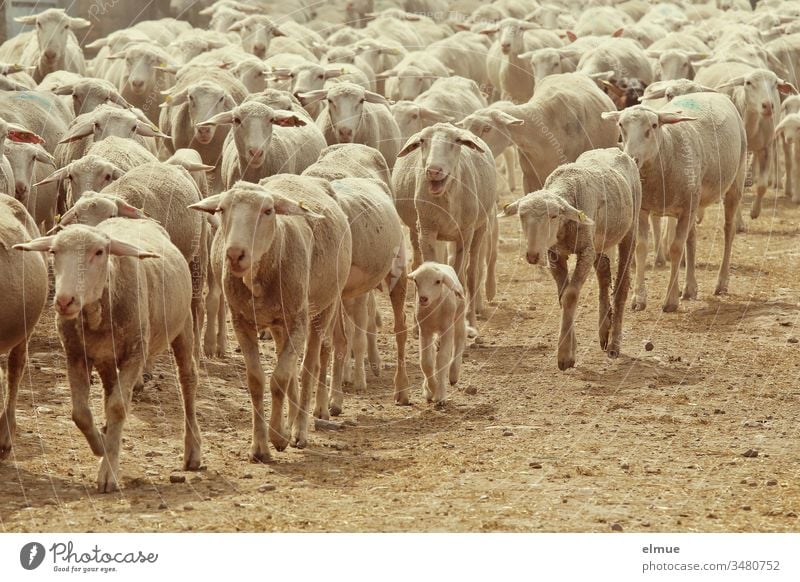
(191, 166)
(41, 244)
(115, 97)
(210, 204)
(569, 212)
(465, 138)
(66, 89)
(786, 88)
(287, 119)
(509, 209)
(56, 176)
(571, 35)
(735, 82)
(612, 115)
(371, 97)
(508, 120)
(148, 130)
(235, 27)
(21, 134)
(43, 157)
(277, 31)
(312, 96)
(78, 23)
(618, 33)
(228, 101)
(332, 73)
(79, 131)
(168, 68)
(178, 98)
(26, 19)
(412, 144)
(433, 115)
(613, 88)
(667, 117)
(122, 249)
(451, 281)
(604, 76)
(652, 54)
(291, 208)
(224, 118)
(128, 211)
(117, 173)
(96, 44)
(489, 31)
(656, 93)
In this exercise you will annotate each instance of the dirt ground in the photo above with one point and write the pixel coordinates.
(652, 441)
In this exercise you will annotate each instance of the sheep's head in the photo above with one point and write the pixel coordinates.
(205, 100)
(412, 118)
(253, 74)
(639, 128)
(511, 32)
(625, 91)
(493, 127)
(439, 153)
(434, 282)
(762, 91)
(257, 31)
(81, 264)
(675, 63)
(143, 65)
(249, 214)
(311, 76)
(53, 27)
(345, 107)
(85, 174)
(788, 128)
(411, 81)
(107, 121)
(544, 62)
(542, 214)
(252, 128)
(89, 93)
(23, 157)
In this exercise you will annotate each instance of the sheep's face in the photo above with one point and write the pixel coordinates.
(345, 110)
(140, 64)
(86, 97)
(22, 157)
(205, 101)
(511, 38)
(492, 127)
(762, 92)
(252, 131)
(257, 32)
(52, 30)
(91, 172)
(119, 123)
(639, 129)
(545, 62)
(540, 215)
(308, 78)
(411, 82)
(252, 74)
(91, 210)
(675, 64)
(434, 282)
(789, 128)
(412, 118)
(340, 55)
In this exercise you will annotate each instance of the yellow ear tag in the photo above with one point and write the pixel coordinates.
(302, 205)
(57, 218)
(581, 216)
(167, 98)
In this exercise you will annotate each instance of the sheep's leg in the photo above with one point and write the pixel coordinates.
(427, 361)
(731, 203)
(602, 267)
(79, 374)
(213, 305)
(118, 402)
(509, 158)
(360, 317)
(8, 421)
(788, 181)
(491, 242)
(427, 245)
(685, 221)
(373, 323)
(795, 173)
(640, 295)
(198, 308)
(319, 328)
(658, 246)
(567, 342)
(416, 246)
(531, 181)
(690, 286)
(183, 348)
(247, 337)
(444, 357)
(397, 295)
(343, 331)
(473, 274)
(761, 168)
(621, 286)
(558, 269)
(459, 343)
(322, 396)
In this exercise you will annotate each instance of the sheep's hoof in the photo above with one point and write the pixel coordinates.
(566, 363)
(147, 376)
(191, 460)
(472, 333)
(106, 478)
(263, 458)
(638, 305)
(376, 369)
(279, 441)
(336, 410)
(7, 432)
(613, 353)
(299, 442)
(721, 290)
(402, 400)
(669, 307)
(440, 404)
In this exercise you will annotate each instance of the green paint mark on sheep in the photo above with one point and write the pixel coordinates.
(686, 102)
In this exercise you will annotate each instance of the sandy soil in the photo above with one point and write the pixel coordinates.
(653, 441)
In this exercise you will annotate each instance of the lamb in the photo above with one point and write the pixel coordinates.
(284, 251)
(565, 117)
(199, 95)
(264, 141)
(117, 305)
(686, 162)
(105, 161)
(756, 93)
(361, 180)
(24, 291)
(442, 327)
(54, 46)
(447, 191)
(355, 115)
(586, 208)
(162, 192)
(29, 163)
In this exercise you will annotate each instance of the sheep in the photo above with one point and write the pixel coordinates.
(623, 56)
(381, 55)
(38, 111)
(447, 191)
(414, 74)
(362, 183)
(284, 251)
(24, 291)
(601, 21)
(105, 161)
(788, 132)
(110, 45)
(256, 148)
(355, 115)
(343, 55)
(198, 95)
(257, 32)
(82, 94)
(117, 305)
(585, 208)
(440, 313)
(690, 153)
(464, 53)
(448, 99)
(756, 93)
(54, 46)
(559, 123)
(162, 192)
(12, 132)
(253, 73)
(674, 63)
(29, 163)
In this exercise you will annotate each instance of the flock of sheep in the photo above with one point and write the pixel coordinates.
(263, 166)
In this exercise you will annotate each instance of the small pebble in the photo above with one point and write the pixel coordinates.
(746, 508)
(750, 453)
(648, 346)
(772, 482)
(793, 340)
(471, 390)
(616, 527)
(188, 507)
(162, 505)
(177, 478)
(535, 465)
(624, 466)
(508, 433)
(266, 487)
(791, 514)
(247, 476)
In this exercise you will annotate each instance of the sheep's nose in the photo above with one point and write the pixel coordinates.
(20, 189)
(259, 48)
(533, 258)
(346, 134)
(423, 300)
(435, 172)
(50, 54)
(766, 108)
(137, 83)
(505, 47)
(63, 302)
(255, 153)
(235, 255)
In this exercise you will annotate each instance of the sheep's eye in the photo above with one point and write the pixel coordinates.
(237, 121)
(220, 99)
(133, 128)
(486, 129)
(38, 25)
(99, 253)
(747, 83)
(320, 76)
(362, 99)
(268, 211)
(655, 125)
(438, 281)
(414, 116)
(108, 177)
